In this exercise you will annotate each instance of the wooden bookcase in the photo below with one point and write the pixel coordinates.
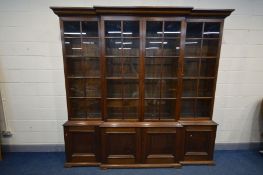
(140, 84)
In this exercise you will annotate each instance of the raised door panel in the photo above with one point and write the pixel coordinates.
(159, 145)
(199, 143)
(82, 144)
(120, 145)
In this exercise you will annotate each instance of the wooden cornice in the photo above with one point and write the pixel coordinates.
(140, 10)
(73, 11)
(209, 12)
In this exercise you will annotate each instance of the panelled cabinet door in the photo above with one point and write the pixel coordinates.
(120, 145)
(82, 144)
(199, 143)
(159, 145)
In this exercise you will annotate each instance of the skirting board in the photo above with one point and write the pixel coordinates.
(34, 148)
(60, 147)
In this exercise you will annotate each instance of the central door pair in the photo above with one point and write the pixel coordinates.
(140, 145)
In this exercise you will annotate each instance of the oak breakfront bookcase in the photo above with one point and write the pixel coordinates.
(140, 85)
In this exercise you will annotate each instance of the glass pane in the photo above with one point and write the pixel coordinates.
(71, 29)
(194, 30)
(167, 109)
(153, 67)
(172, 29)
(151, 109)
(76, 88)
(93, 108)
(154, 28)
(211, 30)
(92, 87)
(130, 47)
(170, 66)
(78, 67)
(192, 48)
(171, 47)
(191, 67)
(169, 88)
(152, 89)
(203, 108)
(189, 88)
(82, 108)
(114, 88)
(91, 67)
(187, 108)
(77, 108)
(90, 28)
(205, 88)
(73, 46)
(130, 88)
(113, 28)
(131, 109)
(90, 47)
(131, 28)
(210, 47)
(114, 108)
(74, 67)
(114, 47)
(208, 67)
(130, 67)
(114, 67)
(154, 47)
(122, 67)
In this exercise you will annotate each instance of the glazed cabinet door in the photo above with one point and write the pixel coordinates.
(160, 145)
(120, 145)
(161, 55)
(82, 64)
(200, 63)
(122, 60)
(199, 143)
(82, 145)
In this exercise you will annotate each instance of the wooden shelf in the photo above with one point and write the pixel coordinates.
(163, 98)
(84, 97)
(196, 78)
(161, 78)
(197, 97)
(198, 57)
(202, 38)
(122, 78)
(83, 77)
(82, 36)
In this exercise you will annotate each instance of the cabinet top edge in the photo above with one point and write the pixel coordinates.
(122, 124)
(141, 10)
(210, 122)
(138, 124)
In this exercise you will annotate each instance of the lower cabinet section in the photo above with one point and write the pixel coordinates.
(142, 145)
(160, 145)
(199, 144)
(82, 145)
(120, 145)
